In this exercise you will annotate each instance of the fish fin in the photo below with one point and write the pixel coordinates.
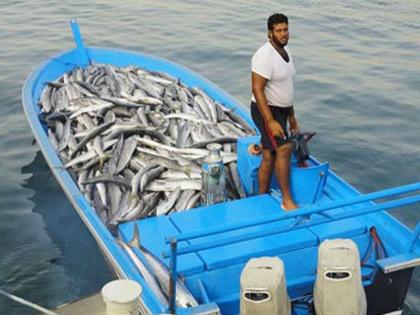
(101, 161)
(61, 168)
(113, 227)
(135, 241)
(134, 197)
(187, 170)
(104, 158)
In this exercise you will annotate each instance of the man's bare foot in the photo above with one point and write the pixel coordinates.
(288, 205)
(254, 149)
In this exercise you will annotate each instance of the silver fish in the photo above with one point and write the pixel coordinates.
(165, 206)
(135, 139)
(145, 273)
(170, 185)
(126, 152)
(183, 297)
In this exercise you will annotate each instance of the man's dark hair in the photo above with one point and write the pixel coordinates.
(276, 18)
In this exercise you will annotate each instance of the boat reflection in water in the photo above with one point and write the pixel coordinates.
(75, 266)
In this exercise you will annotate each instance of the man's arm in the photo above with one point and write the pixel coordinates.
(258, 85)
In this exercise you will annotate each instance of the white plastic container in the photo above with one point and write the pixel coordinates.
(122, 297)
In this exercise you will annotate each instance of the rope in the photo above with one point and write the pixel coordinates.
(27, 303)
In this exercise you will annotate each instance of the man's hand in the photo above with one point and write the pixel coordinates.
(294, 128)
(275, 128)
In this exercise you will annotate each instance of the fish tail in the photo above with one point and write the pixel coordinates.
(134, 196)
(135, 241)
(120, 242)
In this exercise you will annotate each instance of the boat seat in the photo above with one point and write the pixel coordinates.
(200, 219)
(306, 183)
(346, 228)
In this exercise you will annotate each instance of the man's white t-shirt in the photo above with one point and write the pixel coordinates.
(268, 63)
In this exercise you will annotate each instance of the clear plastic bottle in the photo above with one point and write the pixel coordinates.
(213, 176)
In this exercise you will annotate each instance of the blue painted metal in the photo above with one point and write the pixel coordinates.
(203, 292)
(319, 184)
(81, 49)
(415, 238)
(213, 273)
(174, 276)
(306, 183)
(208, 217)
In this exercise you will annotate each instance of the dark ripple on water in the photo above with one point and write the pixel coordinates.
(357, 86)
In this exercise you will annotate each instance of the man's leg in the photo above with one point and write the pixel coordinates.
(265, 171)
(282, 170)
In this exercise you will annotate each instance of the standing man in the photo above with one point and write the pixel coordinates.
(272, 106)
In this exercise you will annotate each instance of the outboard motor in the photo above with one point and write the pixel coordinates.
(338, 286)
(263, 287)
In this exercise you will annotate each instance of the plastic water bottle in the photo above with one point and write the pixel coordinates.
(213, 176)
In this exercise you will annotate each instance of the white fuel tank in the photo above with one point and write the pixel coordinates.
(263, 287)
(338, 286)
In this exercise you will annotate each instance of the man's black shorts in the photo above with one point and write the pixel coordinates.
(280, 114)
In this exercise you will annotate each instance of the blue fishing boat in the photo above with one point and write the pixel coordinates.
(209, 246)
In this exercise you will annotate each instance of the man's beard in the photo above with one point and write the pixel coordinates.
(278, 43)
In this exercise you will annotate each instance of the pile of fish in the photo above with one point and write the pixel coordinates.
(134, 140)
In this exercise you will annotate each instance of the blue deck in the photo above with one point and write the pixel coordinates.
(214, 267)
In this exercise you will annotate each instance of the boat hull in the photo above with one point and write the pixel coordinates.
(394, 283)
(388, 291)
